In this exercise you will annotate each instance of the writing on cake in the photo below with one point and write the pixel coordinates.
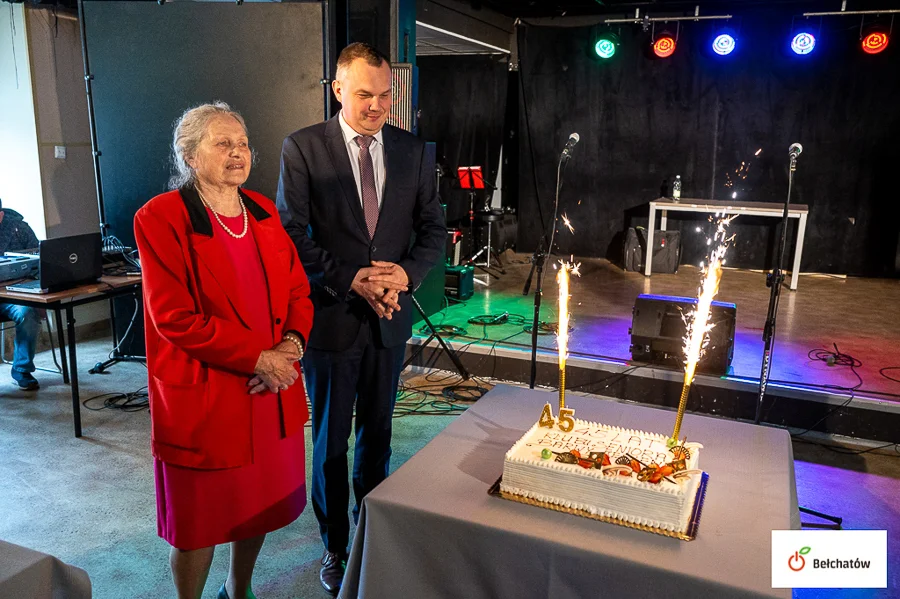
(613, 443)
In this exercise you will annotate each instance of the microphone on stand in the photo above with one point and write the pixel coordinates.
(794, 151)
(570, 145)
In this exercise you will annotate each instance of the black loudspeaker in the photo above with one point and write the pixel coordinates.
(503, 233)
(666, 250)
(658, 329)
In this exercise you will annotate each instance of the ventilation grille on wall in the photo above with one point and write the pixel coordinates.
(402, 84)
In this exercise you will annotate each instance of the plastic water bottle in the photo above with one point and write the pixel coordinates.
(676, 188)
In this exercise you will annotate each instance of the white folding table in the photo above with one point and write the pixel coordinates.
(665, 205)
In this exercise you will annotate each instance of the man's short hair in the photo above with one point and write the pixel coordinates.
(369, 53)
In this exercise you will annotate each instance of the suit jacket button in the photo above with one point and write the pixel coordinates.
(277, 321)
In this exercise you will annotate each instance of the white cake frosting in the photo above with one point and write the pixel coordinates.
(608, 491)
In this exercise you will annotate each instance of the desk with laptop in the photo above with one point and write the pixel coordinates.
(70, 274)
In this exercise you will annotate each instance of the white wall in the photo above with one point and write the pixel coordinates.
(20, 175)
(43, 105)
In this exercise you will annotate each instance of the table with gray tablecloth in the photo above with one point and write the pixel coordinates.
(432, 531)
(29, 574)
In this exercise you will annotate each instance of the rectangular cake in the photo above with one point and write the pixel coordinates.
(622, 475)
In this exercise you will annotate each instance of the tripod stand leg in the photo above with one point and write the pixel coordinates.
(415, 353)
(453, 357)
(836, 519)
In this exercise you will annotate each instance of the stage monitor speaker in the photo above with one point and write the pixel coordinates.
(459, 282)
(658, 329)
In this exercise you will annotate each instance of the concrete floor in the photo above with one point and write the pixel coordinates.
(91, 501)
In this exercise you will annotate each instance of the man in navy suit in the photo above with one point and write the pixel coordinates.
(358, 198)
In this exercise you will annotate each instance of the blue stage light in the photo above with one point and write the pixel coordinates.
(803, 43)
(724, 44)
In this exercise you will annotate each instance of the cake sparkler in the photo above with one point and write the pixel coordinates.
(698, 322)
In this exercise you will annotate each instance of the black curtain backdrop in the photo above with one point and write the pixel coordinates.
(463, 101)
(642, 121)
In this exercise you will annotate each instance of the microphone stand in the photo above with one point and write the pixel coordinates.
(774, 281)
(537, 263)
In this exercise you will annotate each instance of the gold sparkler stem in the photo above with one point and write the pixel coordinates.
(682, 405)
(562, 388)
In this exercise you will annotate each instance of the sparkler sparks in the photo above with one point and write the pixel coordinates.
(698, 321)
(568, 223)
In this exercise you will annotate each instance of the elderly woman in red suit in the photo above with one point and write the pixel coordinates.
(227, 313)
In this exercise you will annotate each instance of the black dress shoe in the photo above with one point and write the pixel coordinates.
(332, 573)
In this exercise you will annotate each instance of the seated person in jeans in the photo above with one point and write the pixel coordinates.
(15, 236)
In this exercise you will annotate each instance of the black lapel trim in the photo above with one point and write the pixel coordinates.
(200, 222)
(255, 210)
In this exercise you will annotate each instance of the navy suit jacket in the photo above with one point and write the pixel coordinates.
(321, 210)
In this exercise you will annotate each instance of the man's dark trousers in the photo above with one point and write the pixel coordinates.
(367, 375)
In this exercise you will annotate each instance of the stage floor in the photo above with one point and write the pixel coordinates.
(862, 316)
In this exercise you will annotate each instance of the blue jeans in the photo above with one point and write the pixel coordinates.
(28, 325)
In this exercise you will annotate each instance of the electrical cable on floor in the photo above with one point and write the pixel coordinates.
(134, 401)
(833, 358)
(883, 372)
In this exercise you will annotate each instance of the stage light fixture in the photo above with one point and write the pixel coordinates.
(803, 43)
(606, 45)
(724, 44)
(664, 46)
(875, 41)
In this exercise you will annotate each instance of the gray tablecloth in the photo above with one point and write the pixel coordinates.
(29, 574)
(432, 531)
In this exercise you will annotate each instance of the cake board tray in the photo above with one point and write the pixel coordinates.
(689, 535)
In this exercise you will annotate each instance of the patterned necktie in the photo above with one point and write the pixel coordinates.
(367, 183)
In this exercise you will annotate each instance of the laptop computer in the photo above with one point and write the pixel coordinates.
(66, 262)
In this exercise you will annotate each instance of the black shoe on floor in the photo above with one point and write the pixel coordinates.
(332, 573)
(26, 381)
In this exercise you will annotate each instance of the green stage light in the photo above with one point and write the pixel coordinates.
(605, 48)
(606, 45)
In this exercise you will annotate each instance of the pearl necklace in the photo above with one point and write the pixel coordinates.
(216, 214)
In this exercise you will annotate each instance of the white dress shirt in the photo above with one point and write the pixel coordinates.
(376, 151)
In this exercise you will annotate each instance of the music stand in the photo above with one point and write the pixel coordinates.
(472, 178)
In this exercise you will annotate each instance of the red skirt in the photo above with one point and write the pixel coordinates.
(203, 508)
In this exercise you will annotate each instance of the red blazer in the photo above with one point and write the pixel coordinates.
(200, 352)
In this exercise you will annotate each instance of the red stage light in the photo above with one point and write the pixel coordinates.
(875, 42)
(664, 46)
